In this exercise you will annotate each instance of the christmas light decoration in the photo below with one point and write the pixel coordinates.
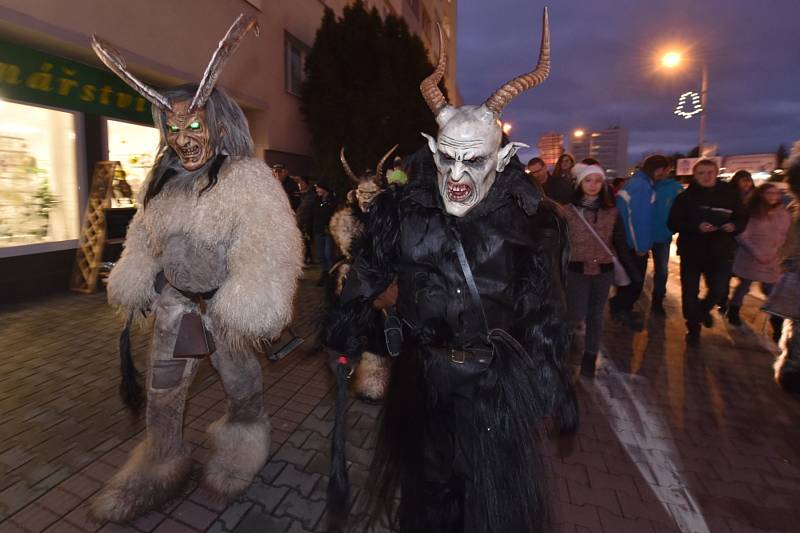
(697, 107)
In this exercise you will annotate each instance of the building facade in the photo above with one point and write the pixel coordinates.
(551, 146)
(61, 110)
(609, 147)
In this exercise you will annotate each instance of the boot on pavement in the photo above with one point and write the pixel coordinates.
(657, 305)
(692, 333)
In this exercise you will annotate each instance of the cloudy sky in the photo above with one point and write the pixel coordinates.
(604, 68)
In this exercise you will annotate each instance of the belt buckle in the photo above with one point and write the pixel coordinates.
(457, 356)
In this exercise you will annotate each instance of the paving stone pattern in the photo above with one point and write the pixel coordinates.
(659, 422)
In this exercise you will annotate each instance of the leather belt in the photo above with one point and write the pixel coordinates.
(461, 356)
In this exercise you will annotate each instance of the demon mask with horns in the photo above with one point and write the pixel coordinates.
(467, 151)
(368, 185)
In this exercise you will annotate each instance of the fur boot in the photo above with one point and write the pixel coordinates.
(239, 452)
(144, 483)
(372, 377)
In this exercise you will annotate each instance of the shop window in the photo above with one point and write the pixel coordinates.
(135, 147)
(295, 60)
(38, 175)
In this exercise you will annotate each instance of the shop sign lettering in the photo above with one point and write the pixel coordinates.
(32, 76)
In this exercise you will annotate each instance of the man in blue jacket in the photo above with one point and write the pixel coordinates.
(636, 204)
(666, 192)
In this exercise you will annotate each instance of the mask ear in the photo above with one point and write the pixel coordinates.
(431, 143)
(506, 153)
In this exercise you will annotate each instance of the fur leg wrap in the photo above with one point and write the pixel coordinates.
(144, 483)
(239, 452)
(372, 377)
(787, 366)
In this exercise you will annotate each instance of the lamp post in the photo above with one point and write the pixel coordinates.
(673, 60)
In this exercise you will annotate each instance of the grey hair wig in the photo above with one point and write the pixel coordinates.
(229, 135)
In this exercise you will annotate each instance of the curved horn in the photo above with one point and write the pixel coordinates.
(379, 168)
(429, 86)
(347, 169)
(507, 92)
(227, 46)
(111, 58)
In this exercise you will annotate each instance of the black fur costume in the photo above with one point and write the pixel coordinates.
(464, 456)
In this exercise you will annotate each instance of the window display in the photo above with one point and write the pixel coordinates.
(135, 147)
(38, 175)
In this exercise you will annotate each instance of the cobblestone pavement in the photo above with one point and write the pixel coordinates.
(671, 439)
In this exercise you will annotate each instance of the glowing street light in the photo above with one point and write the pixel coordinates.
(578, 134)
(671, 59)
(506, 127)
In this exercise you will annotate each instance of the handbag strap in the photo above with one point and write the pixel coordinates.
(473, 288)
(594, 232)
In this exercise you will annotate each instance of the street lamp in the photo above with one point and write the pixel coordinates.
(672, 60)
(578, 134)
(506, 127)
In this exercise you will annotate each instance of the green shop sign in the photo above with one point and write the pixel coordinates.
(32, 76)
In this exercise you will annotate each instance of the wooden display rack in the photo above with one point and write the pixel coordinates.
(93, 232)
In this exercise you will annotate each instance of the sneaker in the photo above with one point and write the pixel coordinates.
(733, 315)
(588, 364)
(708, 321)
(632, 319)
(693, 334)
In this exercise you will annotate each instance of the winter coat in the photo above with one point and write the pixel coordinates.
(586, 254)
(790, 253)
(666, 191)
(323, 210)
(305, 210)
(239, 237)
(636, 204)
(761, 241)
(559, 188)
(716, 205)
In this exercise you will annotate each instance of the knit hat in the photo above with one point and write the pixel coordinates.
(581, 171)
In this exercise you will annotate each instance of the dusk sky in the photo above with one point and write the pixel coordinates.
(604, 56)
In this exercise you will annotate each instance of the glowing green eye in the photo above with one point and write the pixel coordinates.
(194, 125)
(173, 128)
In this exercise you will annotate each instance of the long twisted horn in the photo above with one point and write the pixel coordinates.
(430, 85)
(227, 46)
(111, 58)
(379, 168)
(507, 92)
(347, 169)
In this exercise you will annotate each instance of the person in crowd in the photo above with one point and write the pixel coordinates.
(707, 216)
(537, 170)
(396, 175)
(636, 204)
(557, 186)
(595, 230)
(757, 257)
(591, 161)
(324, 208)
(742, 181)
(667, 190)
(305, 214)
(289, 186)
(787, 366)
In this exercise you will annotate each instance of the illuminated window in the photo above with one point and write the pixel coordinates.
(135, 147)
(38, 175)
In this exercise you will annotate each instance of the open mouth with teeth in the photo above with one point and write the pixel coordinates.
(191, 152)
(459, 192)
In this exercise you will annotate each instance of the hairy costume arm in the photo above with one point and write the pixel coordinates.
(265, 257)
(545, 333)
(131, 282)
(373, 270)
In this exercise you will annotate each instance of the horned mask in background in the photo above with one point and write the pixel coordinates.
(467, 150)
(187, 131)
(368, 185)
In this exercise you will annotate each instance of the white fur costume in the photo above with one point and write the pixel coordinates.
(240, 236)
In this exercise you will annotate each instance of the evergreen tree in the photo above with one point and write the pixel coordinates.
(362, 90)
